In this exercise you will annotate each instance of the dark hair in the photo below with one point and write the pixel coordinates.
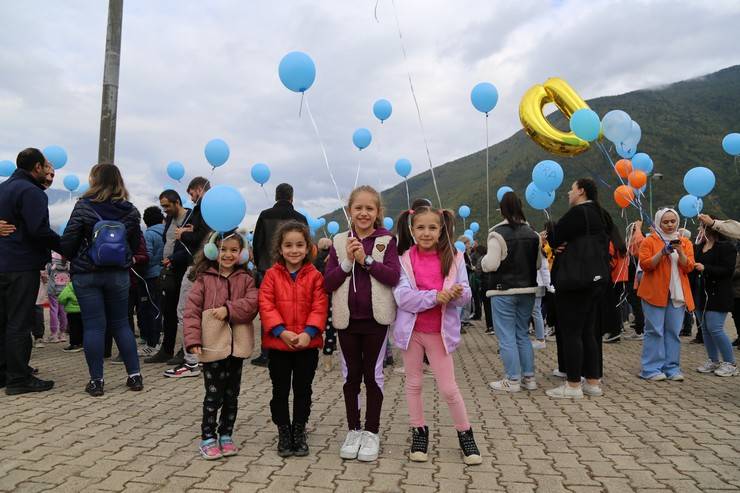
(511, 209)
(153, 215)
(588, 186)
(445, 249)
(288, 227)
(106, 183)
(284, 191)
(28, 158)
(202, 263)
(421, 203)
(199, 182)
(171, 195)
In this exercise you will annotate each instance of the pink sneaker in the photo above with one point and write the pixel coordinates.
(209, 449)
(227, 446)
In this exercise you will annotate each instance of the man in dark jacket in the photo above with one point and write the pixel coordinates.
(268, 223)
(23, 254)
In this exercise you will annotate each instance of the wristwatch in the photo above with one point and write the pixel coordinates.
(368, 261)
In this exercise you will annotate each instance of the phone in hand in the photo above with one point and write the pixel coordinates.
(675, 242)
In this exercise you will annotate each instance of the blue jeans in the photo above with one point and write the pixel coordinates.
(661, 348)
(103, 299)
(538, 322)
(511, 318)
(715, 339)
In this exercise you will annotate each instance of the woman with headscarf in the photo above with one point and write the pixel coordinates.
(666, 259)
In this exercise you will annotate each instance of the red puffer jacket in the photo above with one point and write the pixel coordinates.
(238, 293)
(292, 304)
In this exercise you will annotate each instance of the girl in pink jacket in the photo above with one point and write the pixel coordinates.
(433, 285)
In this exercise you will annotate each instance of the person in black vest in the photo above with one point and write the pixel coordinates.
(579, 310)
(268, 223)
(102, 286)
(513, 259)
(23, 253)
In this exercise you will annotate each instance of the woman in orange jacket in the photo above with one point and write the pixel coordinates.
(666, 259)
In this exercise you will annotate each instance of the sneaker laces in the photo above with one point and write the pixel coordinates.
(467, 442)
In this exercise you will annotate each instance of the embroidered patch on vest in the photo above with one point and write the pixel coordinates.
(380, 247)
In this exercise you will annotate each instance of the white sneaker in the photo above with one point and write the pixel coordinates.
(708, 367)
(370, 445)
(351, 445)
(634, 336)
(726, 370)
(565, 391)
(147, 351)
(529, 383)
(678, 377)
(592, 390)
(658, 377)
(506, 385)
(537, 344)
(38, 343)
(559, 374)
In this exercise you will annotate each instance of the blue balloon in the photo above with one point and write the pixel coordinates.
(382, 109)
(217, 152)
(538, 199)
(362, 138)
(617, 125)
(188, 204)
(403, 167)
(503, 191)
(260, 173)
(56, 156)
(731, 144)
(585, 124)
(71, 182)
(320, 223)
(388, 223)
(463, 211)
(484, 97)
(642, 162)
(460, 246)
(297, 71)
(547, 175)
(630, 143)
(84, 187)
(223, 208)
(250, 237)
(7, 168)
(469, 234)
(624, 150)
(61, 228)
(474, 227)
(332, 227)
(699, 181)
(176, 170)
(689, 206)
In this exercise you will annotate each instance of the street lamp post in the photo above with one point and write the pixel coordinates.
(109, 106)
(656, 176)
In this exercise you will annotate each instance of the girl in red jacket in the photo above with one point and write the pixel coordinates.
(293, 310)
(224, 290)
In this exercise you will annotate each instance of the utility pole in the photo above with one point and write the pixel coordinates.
(108, 109)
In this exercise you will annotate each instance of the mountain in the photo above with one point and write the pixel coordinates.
(682, 127)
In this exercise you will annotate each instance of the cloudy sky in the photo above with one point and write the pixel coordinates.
(192, 71)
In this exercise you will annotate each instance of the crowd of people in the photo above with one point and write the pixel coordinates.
(178, 280)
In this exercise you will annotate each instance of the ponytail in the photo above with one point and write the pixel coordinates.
(445, 248)
(403, 232)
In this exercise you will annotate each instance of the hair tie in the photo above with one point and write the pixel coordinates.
(412, 211)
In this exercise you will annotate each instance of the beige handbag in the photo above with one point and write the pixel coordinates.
(221, 339)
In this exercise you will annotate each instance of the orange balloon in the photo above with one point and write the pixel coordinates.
(637, 179)
(623, 195)
(624, 167)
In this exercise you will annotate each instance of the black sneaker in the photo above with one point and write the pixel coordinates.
(260, 360)
(95, 388)
(469, 448)
(135, 383)
(285, 441)
(300, 447)
(160, 357)
(73, 348)
(490, 331)
(736, 342)
(33, 384)
(178, 359)
(419, 444)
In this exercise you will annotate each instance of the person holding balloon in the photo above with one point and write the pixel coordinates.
(666, 259)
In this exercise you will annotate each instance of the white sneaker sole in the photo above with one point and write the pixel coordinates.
(348, 455)
(183, 375)
(367, 457)
(472, 460)
(418, 457)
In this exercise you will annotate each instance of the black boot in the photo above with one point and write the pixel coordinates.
(469, 448)
(300, 447)
(285, 441)
(419, 444)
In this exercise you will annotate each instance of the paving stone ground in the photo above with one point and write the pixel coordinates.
(639, 436)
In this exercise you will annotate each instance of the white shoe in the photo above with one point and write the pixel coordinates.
(592, 390)
(678, 377)
(147, 351)
(726, 370)
(633, 336)
(708, 367)
(565, 391)
(370, 445)
(529, 383)
(38, 343)
(537, 344)
(351, 445)
(506, 385)
(559, 374)
(658, 377)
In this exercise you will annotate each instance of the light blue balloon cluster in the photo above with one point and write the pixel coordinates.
(468, 233)
(731, 144)
(642, 162)
(382, 109)
(223, 208)
(460, 246)
(699, 181)
(628, 146)
(690, 206)
(176, 170)
(547, 175)
(217, 152)
(474, 227)
(403, 167)
(260, 173)
(484, 97)
(71, 182)
(503, 191)
(56, 156)
(7, 168)
(297, 71)
(616, 125)
(538, 198)
(585, 123)
(361, 138)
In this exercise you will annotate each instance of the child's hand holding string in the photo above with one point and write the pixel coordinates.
(455, 292)
(443, 297)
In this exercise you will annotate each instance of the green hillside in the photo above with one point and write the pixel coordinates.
(682, 126)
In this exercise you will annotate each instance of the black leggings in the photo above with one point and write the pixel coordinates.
(579, 334)
(222, 381)
(294, 369)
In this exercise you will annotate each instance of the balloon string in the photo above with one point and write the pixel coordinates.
(408, 197)
(547, 214)
(300, 106)
(263, 189)
(416, 103)
(359, 164)
(380, 156)
(376, 10)
(488, 184)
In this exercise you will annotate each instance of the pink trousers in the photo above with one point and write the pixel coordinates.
(444, 373)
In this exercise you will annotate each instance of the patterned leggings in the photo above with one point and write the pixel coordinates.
(222, 381)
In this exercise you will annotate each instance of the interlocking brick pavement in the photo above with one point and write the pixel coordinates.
(640, 436)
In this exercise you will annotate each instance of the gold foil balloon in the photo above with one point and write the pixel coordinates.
(558, 92)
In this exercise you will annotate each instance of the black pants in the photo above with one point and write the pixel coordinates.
(294, 369)
(222, 381)
(74, 326)
(151, 318)
(736, 315)
(39, 327)
(636, 305)
(478, 302)
(579, 334)
(170, 298)
(18, 291)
